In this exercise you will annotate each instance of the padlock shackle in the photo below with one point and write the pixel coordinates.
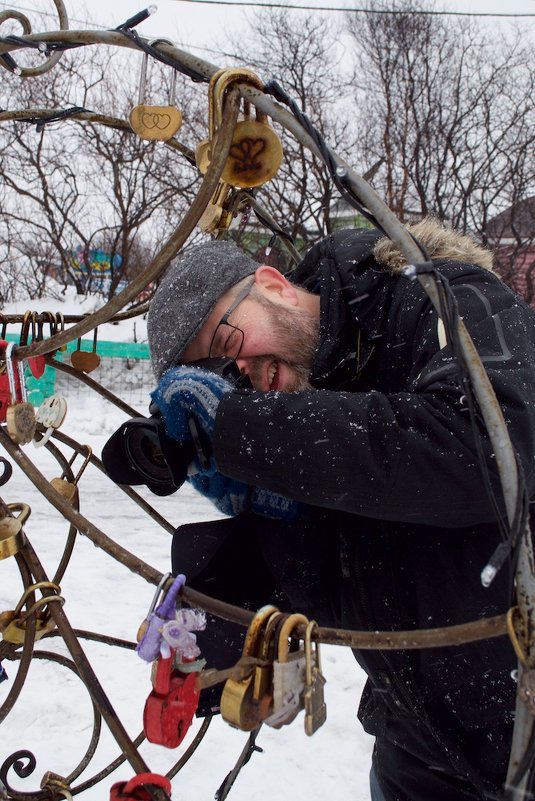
(83, 466)
(143, 74)
(308, 652)
(256, 627)
(11, 375)
(49, 585)
(288, 626)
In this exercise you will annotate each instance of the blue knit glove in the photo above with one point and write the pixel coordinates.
(189, 392)
(233, 497)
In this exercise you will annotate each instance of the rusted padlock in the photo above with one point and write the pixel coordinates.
(171, 705)
(135, 788)
(86, 360)
(244, 703)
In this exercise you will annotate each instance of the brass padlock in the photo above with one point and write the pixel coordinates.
(15, 631)
(315, 708)
(220, 211)
(237, 706)
(155, 122)
(203, 151)
(13, 625)
(69, 489)
(256, 152)
(11, 534)
(20, 415)
(262, 698)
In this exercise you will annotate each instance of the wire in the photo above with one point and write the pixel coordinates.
(338, 176)
(504, 15)
(355, 10)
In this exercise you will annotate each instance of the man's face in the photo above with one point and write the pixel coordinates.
(280, 337)
(280, 352)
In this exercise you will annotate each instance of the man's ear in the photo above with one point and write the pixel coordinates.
(274, 284)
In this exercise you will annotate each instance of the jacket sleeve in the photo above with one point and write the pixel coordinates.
(408, 454)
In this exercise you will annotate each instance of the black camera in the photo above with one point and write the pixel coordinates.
(141, 452)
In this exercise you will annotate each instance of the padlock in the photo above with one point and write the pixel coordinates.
(50, 414)
(69, 489)
(239, 706)
(203, 151)
(20, 415)
(135, 788)
(219, 212)
(155, 122)
(288, 675)
(262, 699)
(315, 709)
(86, 360)
(144, 625)
(171, 705)
(56, 786)
(11, 534)
(13, 625)
(36, 364)
(59, 327)
(256, 152)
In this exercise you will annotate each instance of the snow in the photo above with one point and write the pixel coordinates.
(53, 716)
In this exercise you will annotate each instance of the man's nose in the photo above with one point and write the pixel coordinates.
(243, 365)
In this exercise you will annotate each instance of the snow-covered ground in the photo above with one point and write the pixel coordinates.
(53, 716)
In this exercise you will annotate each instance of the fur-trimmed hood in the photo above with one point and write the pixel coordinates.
(441, 242)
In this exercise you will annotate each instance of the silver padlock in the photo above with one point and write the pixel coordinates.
(50, 414)
(289, 671)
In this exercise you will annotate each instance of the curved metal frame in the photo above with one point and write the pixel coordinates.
(113, 310)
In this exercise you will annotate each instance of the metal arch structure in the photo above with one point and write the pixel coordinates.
(33, 577)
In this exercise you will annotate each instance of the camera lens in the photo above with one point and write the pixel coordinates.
(143, 450)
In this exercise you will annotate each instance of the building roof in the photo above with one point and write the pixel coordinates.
(516, 222)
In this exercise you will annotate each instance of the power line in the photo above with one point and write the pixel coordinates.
(185, 45)
(291, 7)
(354, 10)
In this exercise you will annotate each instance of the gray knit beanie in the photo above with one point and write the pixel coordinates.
(186, 296)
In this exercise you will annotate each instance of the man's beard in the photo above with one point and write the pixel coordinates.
(296, 334)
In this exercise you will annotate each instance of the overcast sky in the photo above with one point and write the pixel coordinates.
(197, 25)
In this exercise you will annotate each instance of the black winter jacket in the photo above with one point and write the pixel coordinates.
(398, 525)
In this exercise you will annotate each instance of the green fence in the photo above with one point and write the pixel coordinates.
(41, 388)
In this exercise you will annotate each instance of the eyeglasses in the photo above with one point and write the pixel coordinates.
(231, 340)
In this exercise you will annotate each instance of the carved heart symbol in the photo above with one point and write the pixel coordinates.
(246, 151)
(160, 121)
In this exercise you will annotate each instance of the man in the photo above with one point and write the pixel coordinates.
(352, 473)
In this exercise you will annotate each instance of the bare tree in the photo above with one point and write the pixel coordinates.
(73, 189)
(303, 58)
(452, 112)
